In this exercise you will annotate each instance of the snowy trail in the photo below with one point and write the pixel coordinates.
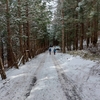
(58, 77)
(48, 86)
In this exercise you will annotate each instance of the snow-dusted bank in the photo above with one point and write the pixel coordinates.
(84, 74)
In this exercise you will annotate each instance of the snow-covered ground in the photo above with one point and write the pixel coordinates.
(85, 74)
(52, 71)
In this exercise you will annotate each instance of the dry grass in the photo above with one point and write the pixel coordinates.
(85, 54)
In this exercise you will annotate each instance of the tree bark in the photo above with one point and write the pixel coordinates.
(76, 32)
(2, 72)
(20, 31)
(10, 54)
(63, 32)
(82, 36)
(1, 51)
(95, 34)
(28, 31)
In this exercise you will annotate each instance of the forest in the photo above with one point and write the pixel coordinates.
(29, 27)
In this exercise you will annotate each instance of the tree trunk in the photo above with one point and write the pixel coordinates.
(95, 34)
(20, 32)
(88, 41)
(10, 54)
(1, 51)
(76, 33)
(63, 35)
(63, 32)
(24, 44)
(82, 36)
(2, 72)
(28, 32)
(95, 24)
(76, 39)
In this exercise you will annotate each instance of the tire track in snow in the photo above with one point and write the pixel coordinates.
(41, 64)
(34, 75)
(68, 87)
(95, 70)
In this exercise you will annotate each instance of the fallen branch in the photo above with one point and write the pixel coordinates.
(20, 60)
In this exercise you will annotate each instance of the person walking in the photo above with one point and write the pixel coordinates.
(54, 51)
(50, 51)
